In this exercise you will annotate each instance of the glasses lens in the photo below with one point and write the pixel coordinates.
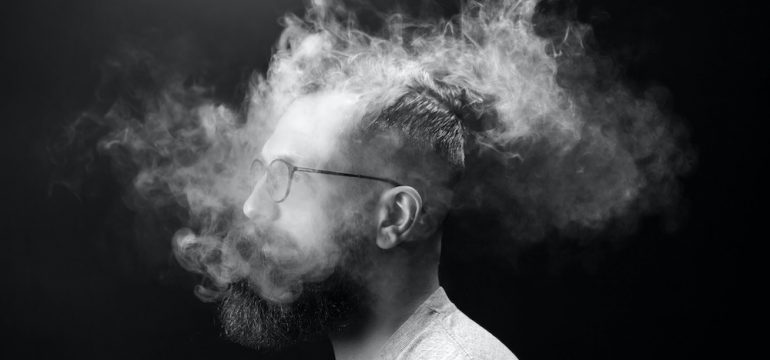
(277, 183)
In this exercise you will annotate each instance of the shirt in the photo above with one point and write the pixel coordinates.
(438, 330)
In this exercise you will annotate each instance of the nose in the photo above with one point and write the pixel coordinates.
(259, 206)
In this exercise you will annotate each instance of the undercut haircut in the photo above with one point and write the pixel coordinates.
(434, 117)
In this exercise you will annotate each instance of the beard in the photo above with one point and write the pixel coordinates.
(328, 306)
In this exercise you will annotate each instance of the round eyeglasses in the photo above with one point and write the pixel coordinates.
(279, 174)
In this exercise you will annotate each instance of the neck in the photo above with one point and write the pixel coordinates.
(402, 284)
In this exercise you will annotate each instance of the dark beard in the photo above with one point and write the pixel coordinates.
(330, 306)
(333, 305)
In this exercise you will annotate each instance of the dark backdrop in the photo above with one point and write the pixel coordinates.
(80, 278)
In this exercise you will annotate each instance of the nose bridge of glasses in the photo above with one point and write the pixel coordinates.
(259, 204)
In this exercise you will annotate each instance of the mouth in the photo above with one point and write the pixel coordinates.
(275, 285)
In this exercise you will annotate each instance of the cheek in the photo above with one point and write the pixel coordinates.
(307, 224)
(306, 216)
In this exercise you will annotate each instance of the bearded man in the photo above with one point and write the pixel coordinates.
(361, 142)
(375, 186)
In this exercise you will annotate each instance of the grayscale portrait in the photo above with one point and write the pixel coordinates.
(485, 179)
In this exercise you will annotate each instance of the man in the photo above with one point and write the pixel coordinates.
(375, 185)
(359, 147)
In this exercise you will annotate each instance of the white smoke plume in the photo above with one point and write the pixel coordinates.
(572, 147)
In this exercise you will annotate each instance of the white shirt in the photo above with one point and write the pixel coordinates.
(438, 330)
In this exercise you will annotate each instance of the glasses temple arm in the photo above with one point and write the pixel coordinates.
(327, 172)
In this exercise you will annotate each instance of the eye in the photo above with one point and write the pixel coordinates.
(305, 181)
(300, 176)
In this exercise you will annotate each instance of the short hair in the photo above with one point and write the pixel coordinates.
(434, 117)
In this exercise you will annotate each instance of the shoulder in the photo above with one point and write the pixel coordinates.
(472, 340)
(451, 335)
(438, 330)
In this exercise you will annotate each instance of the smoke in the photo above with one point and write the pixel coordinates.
(572, 147)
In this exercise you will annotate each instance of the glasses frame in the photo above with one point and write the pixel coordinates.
(293, 169)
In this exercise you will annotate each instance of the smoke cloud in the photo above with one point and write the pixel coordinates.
(572, 147)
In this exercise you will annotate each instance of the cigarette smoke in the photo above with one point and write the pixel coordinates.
(572, 147)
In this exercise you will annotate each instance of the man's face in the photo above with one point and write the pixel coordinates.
(311, 243)
(307, 135)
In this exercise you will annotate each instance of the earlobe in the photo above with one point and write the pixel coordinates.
(398, 213)
(386, 238)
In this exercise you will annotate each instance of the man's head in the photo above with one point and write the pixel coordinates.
(326, 234)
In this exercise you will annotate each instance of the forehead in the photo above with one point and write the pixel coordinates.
(310, 130)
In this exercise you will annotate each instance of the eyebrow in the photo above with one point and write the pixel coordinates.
(290, 158)
(285, 156)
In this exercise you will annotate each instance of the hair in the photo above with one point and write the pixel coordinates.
(434, 117)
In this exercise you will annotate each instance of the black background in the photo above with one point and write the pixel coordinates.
(80, 279)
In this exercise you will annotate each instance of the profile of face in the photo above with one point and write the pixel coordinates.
(313, 229)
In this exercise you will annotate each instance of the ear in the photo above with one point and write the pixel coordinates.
(397, 213)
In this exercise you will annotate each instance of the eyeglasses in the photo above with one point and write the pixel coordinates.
(279, 175)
